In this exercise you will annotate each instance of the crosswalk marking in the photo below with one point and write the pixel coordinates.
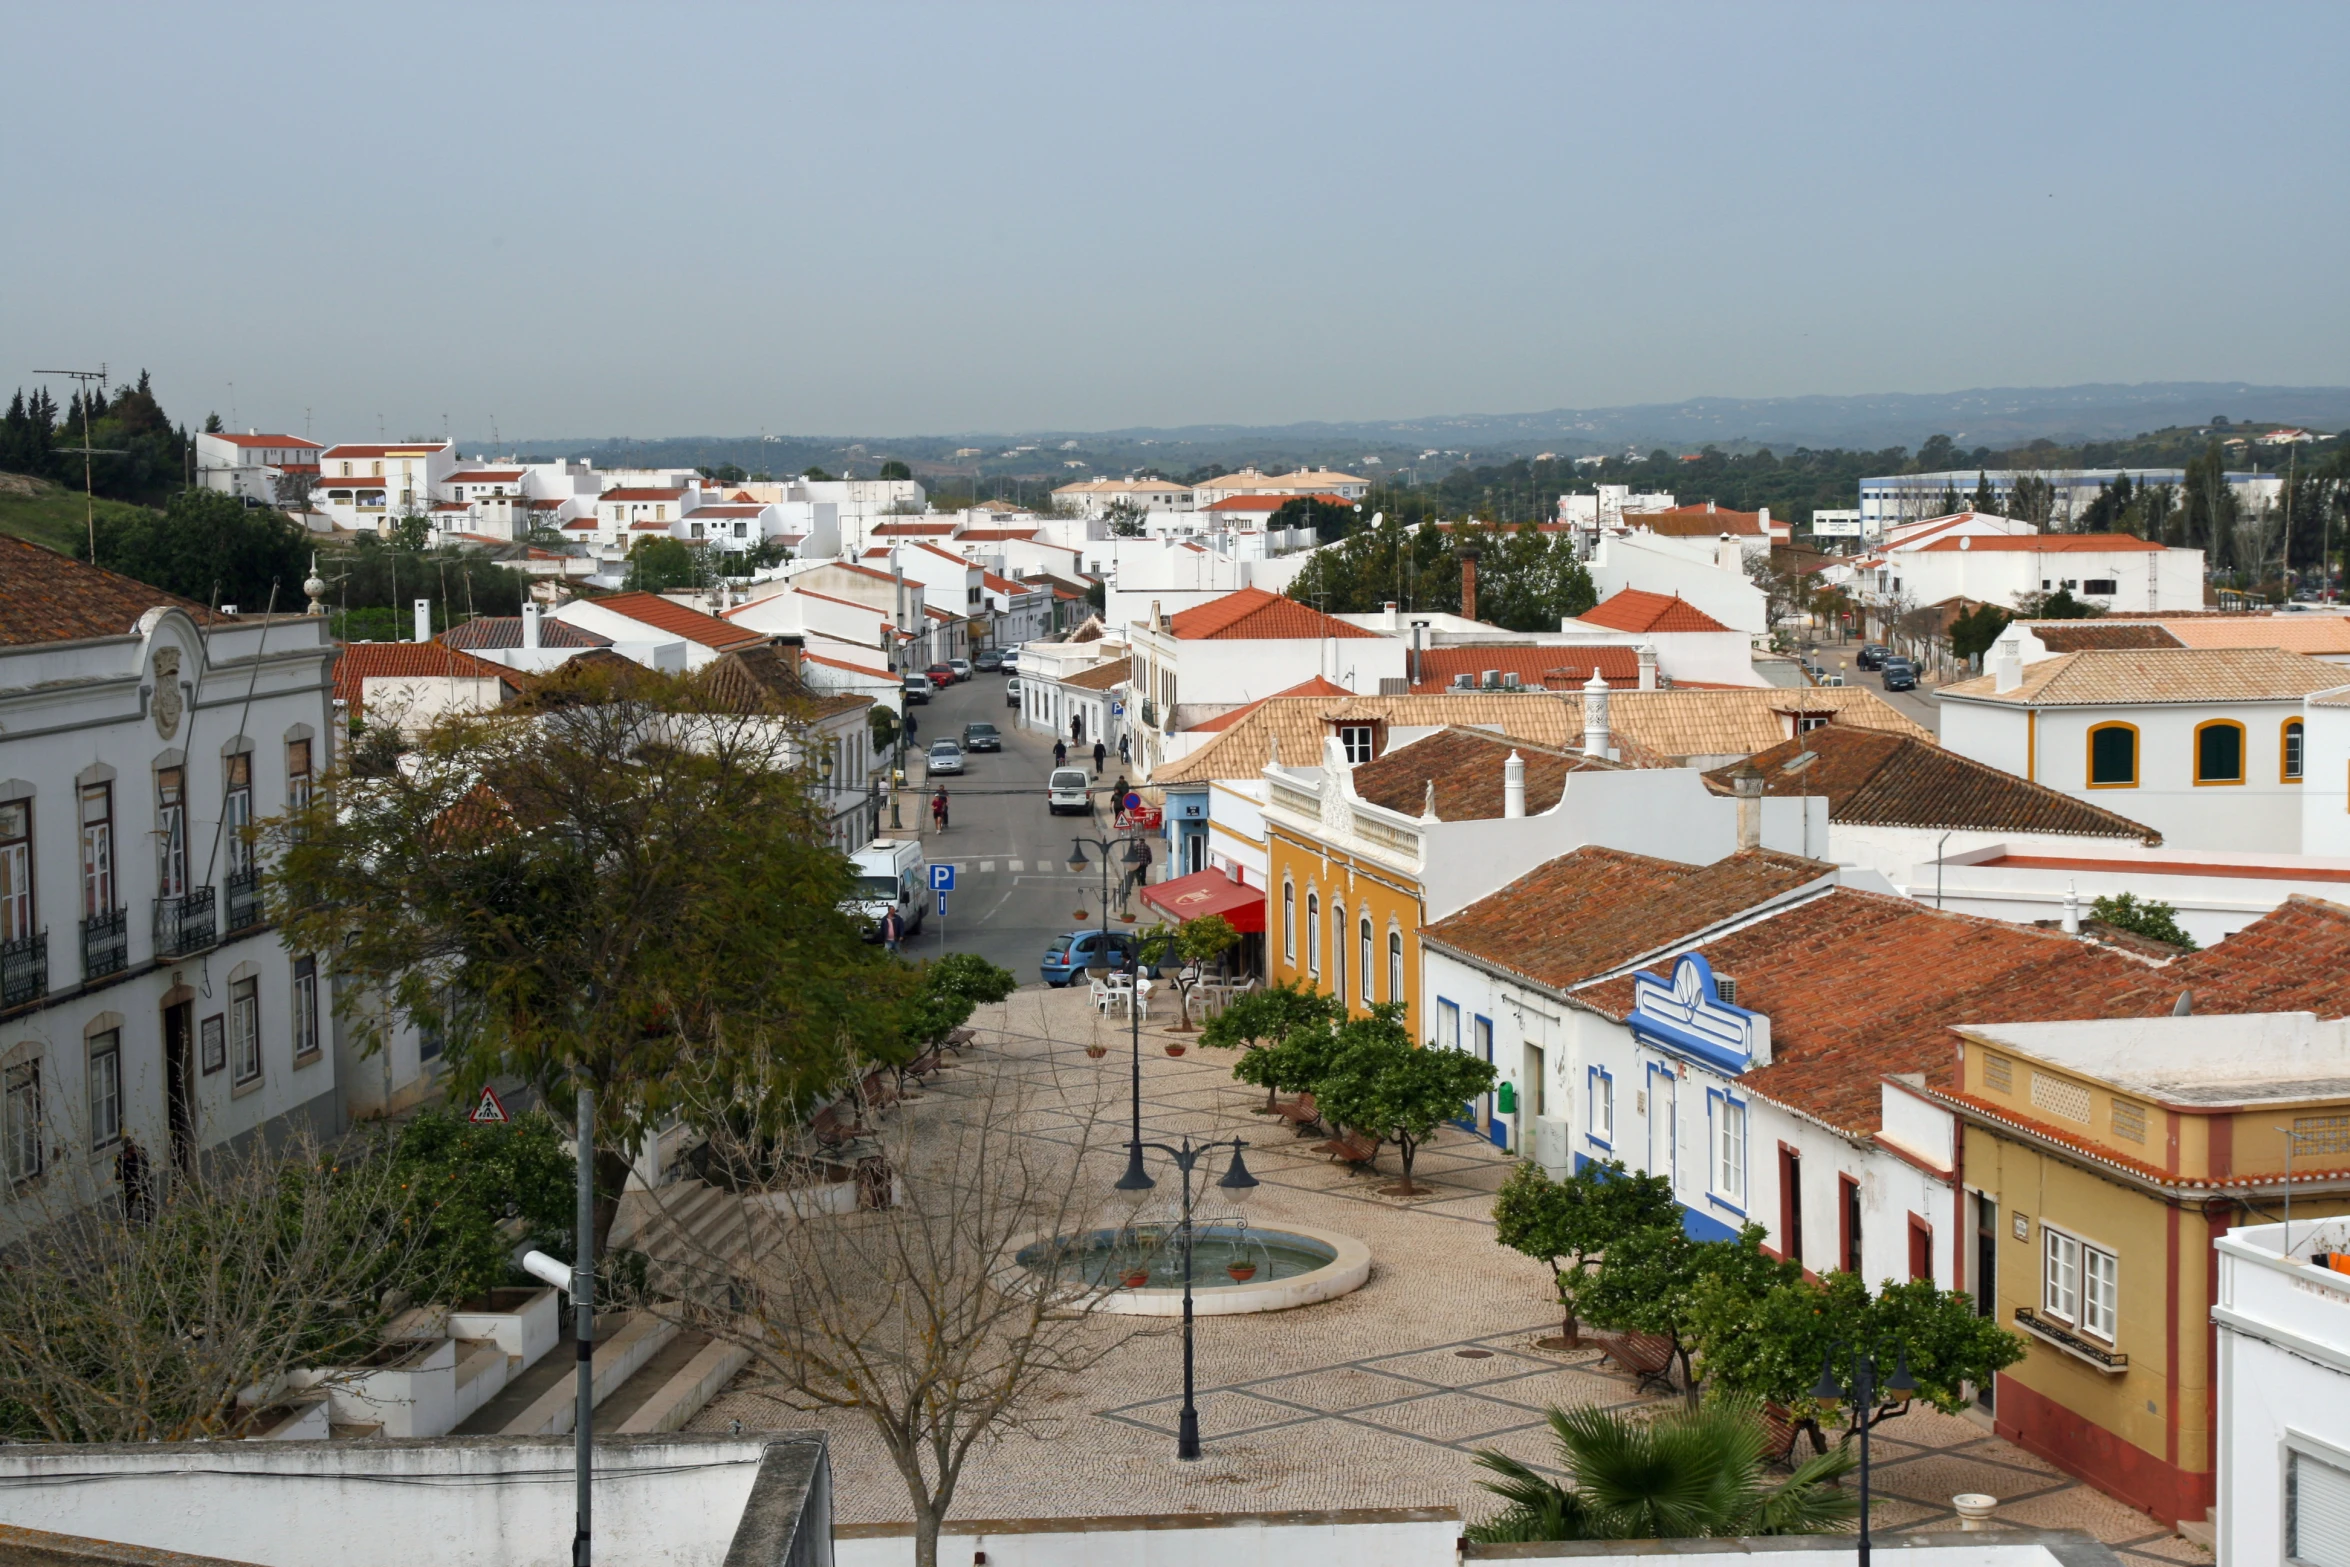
(1015, 865)
(987, 865)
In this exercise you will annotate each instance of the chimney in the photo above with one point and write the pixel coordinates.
(1391, 618)
(424, 620)
(2007, 664)
(1647, 667)
(1468, 584)
(530, 625)
(1513, 786)
(1747, 780)
(2072, 910)
(1595, 737)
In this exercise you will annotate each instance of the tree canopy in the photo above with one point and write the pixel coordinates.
(1527, 580)
(209, 547)
(1378, 1081)
(1568, 1223)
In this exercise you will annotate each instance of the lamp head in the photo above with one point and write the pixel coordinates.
(1237, 1178)
(1077, 860)
(1902, 1382)
(1827, 1389)
(1136, 1178)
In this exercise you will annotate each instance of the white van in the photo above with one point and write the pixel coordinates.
(1069, 789)
(889, 875)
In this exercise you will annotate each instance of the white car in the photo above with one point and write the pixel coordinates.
(1069, 789)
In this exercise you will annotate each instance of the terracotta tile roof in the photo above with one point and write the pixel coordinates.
(2295, 958)
(905, 530)
(364, 661)
(1270, 503)
(503, 631)
(640, 495)
(653, 610)
(1465, 766)
(1534, 664)
(1884, 779)
(1651, 728)
(487, 476)
(1596, 909)
(2048, 543)
(1255, 615)
(1318, 686)
(2086, 636)
(1101, 677)
(701, 512)
(49, 597)
(995, 535)
(2311, 634)
(1696, 522)
(648, 525)
(1860, 984)
(2144, 675)
(1635, 609)
(996, 584)
(397, 449)
(762, 679)
(285, 442)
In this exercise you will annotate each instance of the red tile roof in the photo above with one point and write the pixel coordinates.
(996, 535)
(667, 615)
(996, 584)
(49, 597)
(289, 442)
(1270, 503)
(2046, 543)
(640, 495)
(1895, 780)
(700, 512)
(1696, 522)
(487, 476)
(365, 661)
(907, 530)
(1582, 914)
(1223, 721)
(501, 631)
(397, 449)
(1465, 766)
(1534, 665)
(1635, 609)
(1253, 614)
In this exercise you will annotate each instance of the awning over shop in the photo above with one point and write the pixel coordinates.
(1209, 892)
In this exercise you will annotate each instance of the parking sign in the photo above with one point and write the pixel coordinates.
(942, 878)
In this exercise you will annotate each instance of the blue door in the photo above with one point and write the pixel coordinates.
(1481, 1043)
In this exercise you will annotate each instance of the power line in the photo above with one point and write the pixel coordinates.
(89, 506)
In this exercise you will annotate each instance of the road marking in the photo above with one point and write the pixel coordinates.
(987, 865)
(1014, 866)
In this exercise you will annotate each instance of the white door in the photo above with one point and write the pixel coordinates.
(1663, 1125)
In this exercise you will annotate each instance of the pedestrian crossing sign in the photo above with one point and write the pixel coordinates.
(489, 1109)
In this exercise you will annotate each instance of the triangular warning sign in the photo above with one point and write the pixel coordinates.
(489, 1108)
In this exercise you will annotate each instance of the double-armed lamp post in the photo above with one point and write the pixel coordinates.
(1237, 1181)
(1136, 855)
(1856, 1381)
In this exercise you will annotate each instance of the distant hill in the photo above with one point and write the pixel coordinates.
(1997, 417)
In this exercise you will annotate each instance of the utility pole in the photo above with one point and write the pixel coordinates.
(88, 378)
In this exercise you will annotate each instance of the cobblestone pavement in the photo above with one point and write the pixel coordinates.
(1377, 1399)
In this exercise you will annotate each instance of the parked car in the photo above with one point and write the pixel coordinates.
(1071, 955)
(944, 757)
(988, 660)
(919, 688)
(1900, 674)
(1873, 655)
(940, 676)
(961, 667)
(889, 875)
(982, 737)
(1069, 789)
(1012, 692)
(1011, 660)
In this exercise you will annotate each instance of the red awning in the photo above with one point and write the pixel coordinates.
(1209, 892)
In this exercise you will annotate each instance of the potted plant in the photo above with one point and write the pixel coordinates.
(1137, 1276)
(1241, 1272)
(1175, 1047)
(1097, 1050)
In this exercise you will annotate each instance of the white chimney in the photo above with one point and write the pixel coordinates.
(1513, 786)
(530, 625)
(1647, 667)
(2072, 910)
(2007, 664)
(424, 620)
(1595, 737)
(1391, 616)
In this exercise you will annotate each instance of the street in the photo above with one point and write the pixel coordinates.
(1013, 891)
(1918, 706)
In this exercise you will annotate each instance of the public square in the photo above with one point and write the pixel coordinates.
(1376, 1399)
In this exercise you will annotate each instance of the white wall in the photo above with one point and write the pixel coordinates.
(2283, 1377)
(1660, 565)
(1399, 1537)
(2236, 890)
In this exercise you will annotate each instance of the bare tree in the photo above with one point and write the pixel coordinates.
(144, 1320)
(916, 1307)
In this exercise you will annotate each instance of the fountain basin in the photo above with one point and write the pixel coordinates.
(1295, 1266)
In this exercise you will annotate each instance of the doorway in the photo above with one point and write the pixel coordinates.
(179, 1030)
(1497, 1130)
(1986, 1278)
(1663, 1128)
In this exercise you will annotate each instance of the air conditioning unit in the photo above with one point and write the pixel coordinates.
(1493, 680)
(1464, 682)
(1509, 682)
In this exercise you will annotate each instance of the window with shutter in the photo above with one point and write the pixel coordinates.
(2317, 1512)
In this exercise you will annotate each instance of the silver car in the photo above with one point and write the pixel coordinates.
(945, 757)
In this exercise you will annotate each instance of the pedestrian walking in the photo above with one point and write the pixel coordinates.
(1060, 752)
(1101, 754)
(1123, 759)
(911, 726)
(938, 810)
(1118, 799)
(130, 1168)
(893, 930)
(1077, 726)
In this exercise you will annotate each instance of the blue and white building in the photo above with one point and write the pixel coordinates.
(1888, 500)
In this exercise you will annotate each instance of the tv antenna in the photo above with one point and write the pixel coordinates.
(87, 451)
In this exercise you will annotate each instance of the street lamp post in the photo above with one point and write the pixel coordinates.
(1858, 1384)
(1236, 1180)
(1135, 855)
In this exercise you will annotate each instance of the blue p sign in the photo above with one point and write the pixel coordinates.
(942, 878)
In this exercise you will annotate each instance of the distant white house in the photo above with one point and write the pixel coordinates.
(255, 466)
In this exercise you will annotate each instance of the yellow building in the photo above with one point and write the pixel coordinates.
(2100, 1161)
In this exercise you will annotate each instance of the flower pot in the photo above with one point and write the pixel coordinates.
(1137, 1278)
(1241, 1272)
(1176, 1047)
(1097, 1051)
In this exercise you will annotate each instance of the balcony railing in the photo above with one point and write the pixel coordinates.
(106, 944)
(24, 969)
(184, 924)
(245, 907)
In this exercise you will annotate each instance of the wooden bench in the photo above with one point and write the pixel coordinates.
(878, 1088)
(1779, 1434)
(1648, 1356)
(960, 1040)
(1353, 1147)
(1299, 1112)
(924, 1065)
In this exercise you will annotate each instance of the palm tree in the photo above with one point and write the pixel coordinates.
(1689, 1473)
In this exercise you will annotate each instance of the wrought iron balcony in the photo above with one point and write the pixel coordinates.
(184, 924)
(245, 907)
(24, 969)
(106, 945)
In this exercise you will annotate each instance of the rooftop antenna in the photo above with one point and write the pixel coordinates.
(379, 426)
(87, 451)
(233, 420)
(305, 421)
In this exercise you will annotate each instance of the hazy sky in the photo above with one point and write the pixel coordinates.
(893, 219)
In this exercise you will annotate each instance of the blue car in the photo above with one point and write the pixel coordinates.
(1071, 955)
